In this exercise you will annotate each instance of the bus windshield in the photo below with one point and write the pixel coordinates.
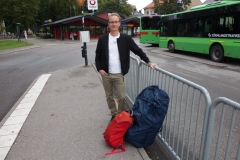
(150, 22)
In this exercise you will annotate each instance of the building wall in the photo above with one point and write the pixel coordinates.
(194, 3)
(149, 11)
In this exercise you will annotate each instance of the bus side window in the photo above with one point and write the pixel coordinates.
(207, 26)
(229, 24)
(181, 29)
(164, 29)
(198, 26)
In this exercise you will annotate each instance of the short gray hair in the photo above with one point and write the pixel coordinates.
(114, 14)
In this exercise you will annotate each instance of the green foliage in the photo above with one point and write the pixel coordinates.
(121, 6)
(33, 13)
(15, 11)
(170, 6)
(9, 44)
(55, 9)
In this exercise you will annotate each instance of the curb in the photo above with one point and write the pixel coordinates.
(17, 116)
(19, 50)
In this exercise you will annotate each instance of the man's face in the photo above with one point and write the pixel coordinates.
(113, 23)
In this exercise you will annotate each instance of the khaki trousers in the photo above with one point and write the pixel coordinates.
(118, 82)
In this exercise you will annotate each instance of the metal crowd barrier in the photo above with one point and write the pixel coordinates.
(186, 125)
(223, 132)
(132, 80)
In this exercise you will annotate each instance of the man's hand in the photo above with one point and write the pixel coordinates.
(103, 73)
(152, 65)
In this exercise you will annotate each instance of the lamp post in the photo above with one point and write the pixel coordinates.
(18, 31)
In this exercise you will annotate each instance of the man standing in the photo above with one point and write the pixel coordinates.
(113, 60)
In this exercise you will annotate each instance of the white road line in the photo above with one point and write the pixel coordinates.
(10, 129)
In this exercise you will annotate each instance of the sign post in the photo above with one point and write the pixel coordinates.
(80, 3)
(83, 37)
(18, 31)
(92, 5)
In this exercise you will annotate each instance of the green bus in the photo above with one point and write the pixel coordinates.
(212, 29)
(149, 29)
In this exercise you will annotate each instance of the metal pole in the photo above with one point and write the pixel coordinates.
(84, 43)
(18, 31)
(86, 58)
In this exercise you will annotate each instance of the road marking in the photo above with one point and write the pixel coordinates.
(10, 129)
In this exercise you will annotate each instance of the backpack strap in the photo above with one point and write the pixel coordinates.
(123, 149)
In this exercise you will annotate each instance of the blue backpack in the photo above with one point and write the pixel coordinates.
(148, 112)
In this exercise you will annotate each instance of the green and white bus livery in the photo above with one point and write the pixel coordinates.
(212, 29)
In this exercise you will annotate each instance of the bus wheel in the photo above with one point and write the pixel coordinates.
(217, 54)
(171, 47)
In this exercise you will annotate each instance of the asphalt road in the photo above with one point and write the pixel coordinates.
(19, 69)
(220, 79)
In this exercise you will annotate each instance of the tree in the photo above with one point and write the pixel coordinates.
(121, 6)
(171, 6)
(35, 12)
(16, 11)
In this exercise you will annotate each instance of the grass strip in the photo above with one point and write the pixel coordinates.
(9, 44)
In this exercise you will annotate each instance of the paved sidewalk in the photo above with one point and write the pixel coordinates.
(62, 116)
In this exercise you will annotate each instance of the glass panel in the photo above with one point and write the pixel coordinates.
(164, 29)
(150, 23)
(92, 30)
(208, 25)
(104, 29)
(229, 24)
(124, 30)
(130, 31)
(98, 30)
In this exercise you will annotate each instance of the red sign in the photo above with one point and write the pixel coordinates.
(92, 2)
(80, 2)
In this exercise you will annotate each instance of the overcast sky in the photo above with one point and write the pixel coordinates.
(140, 4)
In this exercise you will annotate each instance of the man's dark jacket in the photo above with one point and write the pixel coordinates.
(125, 45)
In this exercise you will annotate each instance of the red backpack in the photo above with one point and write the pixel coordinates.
(114, 133)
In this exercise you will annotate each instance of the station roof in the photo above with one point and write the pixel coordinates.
(93, 16)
